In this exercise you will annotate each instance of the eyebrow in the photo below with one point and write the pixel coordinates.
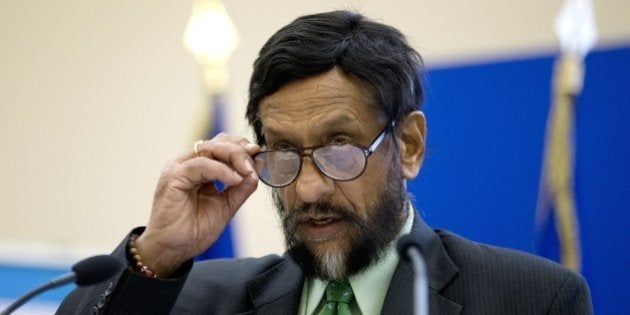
(337, 123)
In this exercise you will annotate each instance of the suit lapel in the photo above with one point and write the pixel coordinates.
(277, 290)
(440, 270)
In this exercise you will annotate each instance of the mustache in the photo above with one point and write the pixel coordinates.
(323, 208)
(292, 218)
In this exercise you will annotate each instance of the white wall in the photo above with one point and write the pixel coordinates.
(95, 96)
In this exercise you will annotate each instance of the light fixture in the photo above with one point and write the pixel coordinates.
(211, 37)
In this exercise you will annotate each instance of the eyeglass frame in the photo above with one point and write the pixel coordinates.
(367, 152)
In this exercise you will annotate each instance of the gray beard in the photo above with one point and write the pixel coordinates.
(367, 242)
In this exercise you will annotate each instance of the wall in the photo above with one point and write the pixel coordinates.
(96, 96)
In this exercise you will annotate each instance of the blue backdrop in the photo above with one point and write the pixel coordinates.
(486, 126)
(480, 178)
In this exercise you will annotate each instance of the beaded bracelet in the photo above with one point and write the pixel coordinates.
(138, 264)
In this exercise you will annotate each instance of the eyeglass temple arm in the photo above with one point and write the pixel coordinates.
(379, 139)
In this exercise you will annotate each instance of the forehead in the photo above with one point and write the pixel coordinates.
(318, 101)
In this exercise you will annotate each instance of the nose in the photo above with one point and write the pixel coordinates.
(311, 184)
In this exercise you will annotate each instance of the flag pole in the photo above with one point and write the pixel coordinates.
(576, 32)
(211, 37)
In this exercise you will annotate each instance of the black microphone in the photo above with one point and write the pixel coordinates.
(84, 273)
(409, 249)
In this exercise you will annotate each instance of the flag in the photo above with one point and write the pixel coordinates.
(223, 247)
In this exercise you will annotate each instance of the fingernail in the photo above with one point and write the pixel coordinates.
(237, 176)
(251, 169)
(250, 164)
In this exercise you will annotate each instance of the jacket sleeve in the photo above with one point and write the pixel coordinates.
(128, 292)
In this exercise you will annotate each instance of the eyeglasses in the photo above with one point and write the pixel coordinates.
(341, 162)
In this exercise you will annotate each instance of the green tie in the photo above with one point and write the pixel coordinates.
(338, 298)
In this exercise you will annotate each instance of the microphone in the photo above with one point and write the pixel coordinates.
(84, 273)
(409, 250)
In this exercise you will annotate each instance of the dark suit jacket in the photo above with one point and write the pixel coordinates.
(464, 278)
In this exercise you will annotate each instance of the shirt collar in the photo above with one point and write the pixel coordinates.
(369, 287)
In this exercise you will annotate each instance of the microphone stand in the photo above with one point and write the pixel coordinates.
(59, 281)
(421, 287)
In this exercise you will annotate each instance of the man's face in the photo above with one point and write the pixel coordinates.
(332, 228)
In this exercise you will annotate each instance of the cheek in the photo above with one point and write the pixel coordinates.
(287, 196)
(370, 185)
(358, 194)
(376, 172)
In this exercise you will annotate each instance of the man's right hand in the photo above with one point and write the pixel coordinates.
(188, 212)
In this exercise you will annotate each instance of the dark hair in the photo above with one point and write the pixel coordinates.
(376, 54)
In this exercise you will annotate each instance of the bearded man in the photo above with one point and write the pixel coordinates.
(335, 107)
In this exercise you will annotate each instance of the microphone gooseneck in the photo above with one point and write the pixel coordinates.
(410, 250)
(86, 272)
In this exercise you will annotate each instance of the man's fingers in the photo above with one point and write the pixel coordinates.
(199, 171)
(232, 150)
(230, 153)
(236, 155)
(236, 195)
(232, 198)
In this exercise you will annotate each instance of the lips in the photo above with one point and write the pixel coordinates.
(318, 218)
(320, 228)
(321, 222)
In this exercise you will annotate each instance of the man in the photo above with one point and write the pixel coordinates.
(334, 103)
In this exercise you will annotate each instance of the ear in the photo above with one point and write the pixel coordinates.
(411, 138)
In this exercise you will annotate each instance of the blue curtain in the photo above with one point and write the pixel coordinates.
(486, 125)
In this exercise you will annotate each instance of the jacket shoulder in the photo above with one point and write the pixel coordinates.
(515, 280)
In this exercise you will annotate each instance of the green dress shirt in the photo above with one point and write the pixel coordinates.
(369, 287)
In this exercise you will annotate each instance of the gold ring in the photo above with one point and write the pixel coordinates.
(196, 147)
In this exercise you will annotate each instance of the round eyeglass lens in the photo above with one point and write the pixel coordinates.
(277, 168)
(340, 162)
